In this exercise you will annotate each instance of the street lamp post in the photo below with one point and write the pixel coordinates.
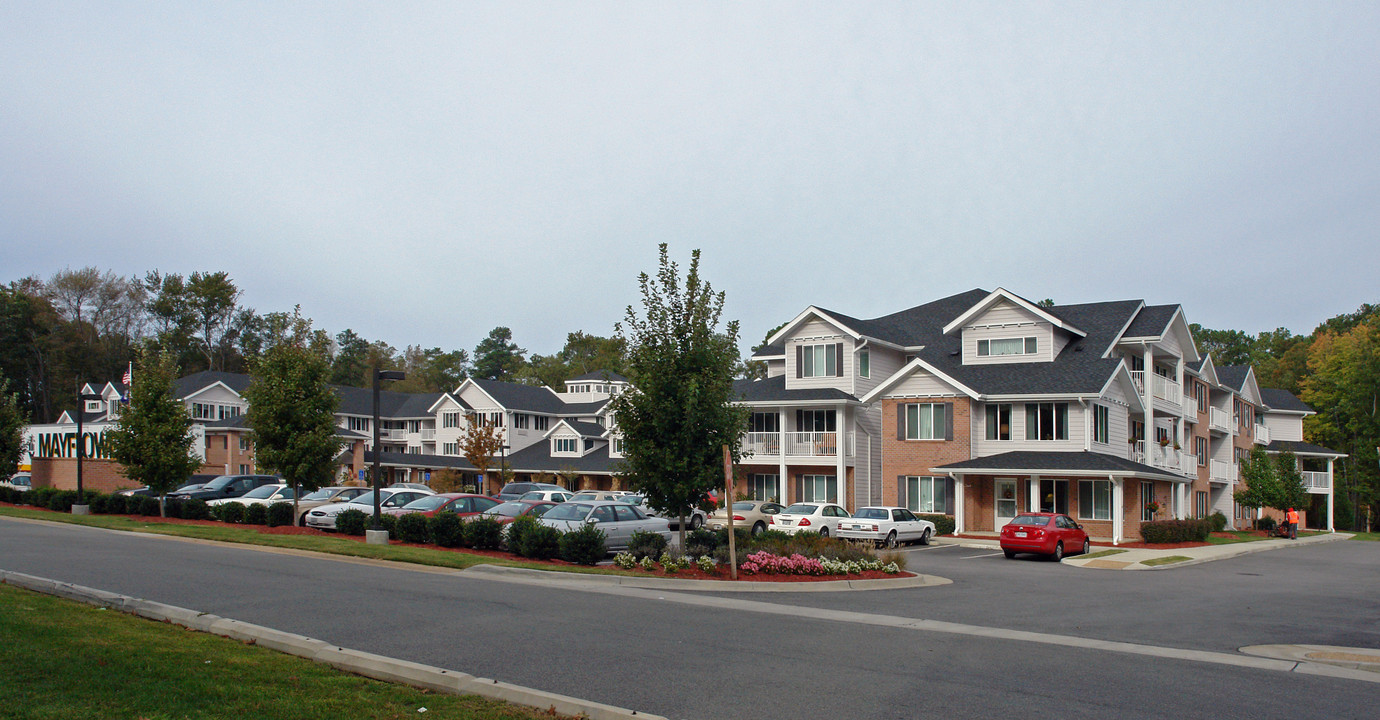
(376, 534)
(80, 507)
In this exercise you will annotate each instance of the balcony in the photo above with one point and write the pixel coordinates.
(1316, 482)
(798, 444)
(428, 433)
(1161, 387)
(1221, 471)
(1262, 434)
(392, 434)
(1165, 457)
(1220, 421)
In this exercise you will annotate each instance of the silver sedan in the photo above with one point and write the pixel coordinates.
(618, 520)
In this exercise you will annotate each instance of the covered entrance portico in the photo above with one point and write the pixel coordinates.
(1109, 496)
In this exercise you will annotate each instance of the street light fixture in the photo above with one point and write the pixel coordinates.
(80, 507)
(377, 535)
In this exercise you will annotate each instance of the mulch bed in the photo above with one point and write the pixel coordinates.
(691, 574)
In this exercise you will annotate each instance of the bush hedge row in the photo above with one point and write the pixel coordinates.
(1175, 531)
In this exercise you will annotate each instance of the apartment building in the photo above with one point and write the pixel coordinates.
(983, 404)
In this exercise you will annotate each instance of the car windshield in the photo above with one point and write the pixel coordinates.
(801, 509)
(508, 509)
(219, 483)
(1030, 520)
(261, 492)
(430, 502)
(745, 506)
(368, 498)
(184, 488)
(539, 510)
(872, 514)
(534, 495)
(322, 494)
(568, 511)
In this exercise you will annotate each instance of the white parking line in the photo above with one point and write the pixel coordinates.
(970, 557)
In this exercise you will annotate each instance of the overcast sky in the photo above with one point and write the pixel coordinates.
(424, 172)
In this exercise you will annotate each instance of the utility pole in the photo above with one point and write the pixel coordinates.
(728, 510)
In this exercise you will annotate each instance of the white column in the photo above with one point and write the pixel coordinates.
(958, 504)
(1331, 489)
(841, 462)
(1118, 511)
(1148, 397)
(781, 458)
(1033, 499)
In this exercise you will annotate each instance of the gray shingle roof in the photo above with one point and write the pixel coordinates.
(773, 350)
(417, 460)
(599, 375)
(360, 401)
(774, 389)
(1084, 462)
(537, 458)
(515, 396)
(1233, 376)
(189, 384)
(1301, 448)
(1151, 321)
(1277, 399)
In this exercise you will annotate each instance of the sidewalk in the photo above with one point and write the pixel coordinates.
(1136, 558)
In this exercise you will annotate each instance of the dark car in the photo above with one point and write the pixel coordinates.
(228, 486)
(1051, 534)
(515, 490)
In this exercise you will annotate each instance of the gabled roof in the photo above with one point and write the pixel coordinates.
(805, 315)
(1151, 321)
(1207, 370)
(583, 429)
(392, 405)
(1002, 294)
(1302, 448)
(770, 350)
(453, 398)
(1284, 401)
(189, 385)
(910, 368)
(1081, 463)
(515, 396)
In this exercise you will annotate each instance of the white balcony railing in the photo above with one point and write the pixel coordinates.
(1218, 419)
(1222, 471)
(1262, 434)
(1138, 452)
(428, 433)
(1166, 457)
(1160, 386)
(392, 434)
(1138, 377)
(1316, 480)
(798, 444)
(1188, 464)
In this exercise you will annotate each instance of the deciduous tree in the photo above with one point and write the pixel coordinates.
(153, 438)
(680, 411)
(12, 422)
(479, 443)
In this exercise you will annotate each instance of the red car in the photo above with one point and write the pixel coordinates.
(1050, 534)
(507, 512)
(462, 504)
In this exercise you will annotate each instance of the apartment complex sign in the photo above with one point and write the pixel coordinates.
(60, 441)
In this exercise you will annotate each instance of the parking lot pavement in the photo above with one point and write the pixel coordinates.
(1147, 558)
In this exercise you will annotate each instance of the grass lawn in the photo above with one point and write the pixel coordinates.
(333, 544)
(1167, 560)
(1367, 536)
(1237, 536)
(1098, 554)
(66, 660)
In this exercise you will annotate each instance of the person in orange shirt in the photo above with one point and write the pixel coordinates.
(1293, 518)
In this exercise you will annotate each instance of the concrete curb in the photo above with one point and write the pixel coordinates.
(1247, 548)
(369, 665)
(526, 575)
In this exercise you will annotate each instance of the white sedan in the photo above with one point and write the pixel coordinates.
(323, 517)
(823, 518)
(887, 526)
(262, 495)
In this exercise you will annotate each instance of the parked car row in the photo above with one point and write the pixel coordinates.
(22, 482)
(1052, 534)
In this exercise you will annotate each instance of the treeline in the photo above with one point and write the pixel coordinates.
(1336, 370)
(85, 326)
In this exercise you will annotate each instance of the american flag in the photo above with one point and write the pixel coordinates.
(129, 375)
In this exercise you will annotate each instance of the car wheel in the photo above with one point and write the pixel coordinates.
(696, 523)
(758, 529)
(1010, 554)
(824, 531)
(1087, 546)
(890, 541)
(925, 537)
(1059, 551)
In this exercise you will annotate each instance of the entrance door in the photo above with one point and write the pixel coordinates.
(1006, 506)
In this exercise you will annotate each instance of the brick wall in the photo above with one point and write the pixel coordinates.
(916, 457)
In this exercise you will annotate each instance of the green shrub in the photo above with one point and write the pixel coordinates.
(414, 528)
(232, 512)
(256, 514)
(770, 535)
(445, 530)
(644, 544)
(148, 505)
(97, 502)
(1218, 520)
(352, 522)
(1175, 531)
(741, 535)
(483, 533)
(280, 513)
(1267, 524)
(701, 542)
(39, 497)
(514, 531)
(1345, 513)
(172, 508)
(540, 542)
(584, 546)
(943, 524)
(116, 504)
(196, 509)
(62, 500)
(386, 522)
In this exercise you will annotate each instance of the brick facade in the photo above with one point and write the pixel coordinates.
(917, 457)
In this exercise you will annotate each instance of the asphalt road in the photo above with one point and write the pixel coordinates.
(782, 655)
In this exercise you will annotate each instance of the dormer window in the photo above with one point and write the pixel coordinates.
(819, 360)
(567, 445)
(1007, 346)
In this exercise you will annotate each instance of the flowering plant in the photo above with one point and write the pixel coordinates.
(1153, 506)
(625, 560)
